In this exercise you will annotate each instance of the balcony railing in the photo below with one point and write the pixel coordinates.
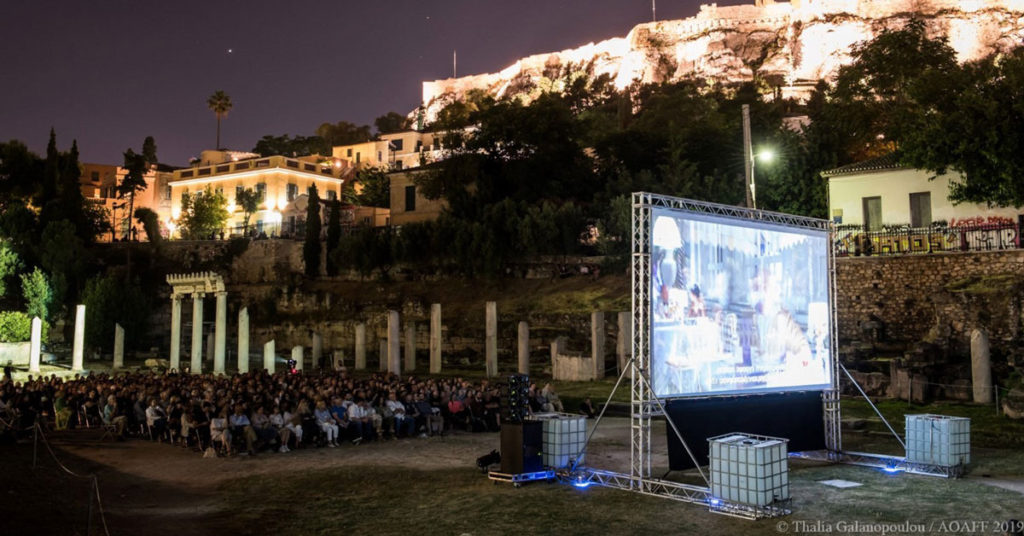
(854, 240)
(268, 162)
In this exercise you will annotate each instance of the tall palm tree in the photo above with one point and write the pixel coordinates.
(220, 104)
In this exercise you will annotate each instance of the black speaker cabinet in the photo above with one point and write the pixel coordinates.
(521, 447)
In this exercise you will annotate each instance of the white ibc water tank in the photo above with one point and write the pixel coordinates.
(564, 436)
(938, 440)
(749, 469)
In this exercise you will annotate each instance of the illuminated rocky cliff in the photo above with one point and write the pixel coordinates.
(791, 45)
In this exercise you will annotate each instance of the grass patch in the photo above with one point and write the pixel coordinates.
(391, 500)
(988, 430)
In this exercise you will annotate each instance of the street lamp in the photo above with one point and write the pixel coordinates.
(766, 156)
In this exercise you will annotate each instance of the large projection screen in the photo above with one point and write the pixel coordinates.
(737, 306)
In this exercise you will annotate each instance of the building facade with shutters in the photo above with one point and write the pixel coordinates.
(881, 192)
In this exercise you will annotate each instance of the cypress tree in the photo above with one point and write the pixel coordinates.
(311, 249)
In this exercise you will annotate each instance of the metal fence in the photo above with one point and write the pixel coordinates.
(905, 240)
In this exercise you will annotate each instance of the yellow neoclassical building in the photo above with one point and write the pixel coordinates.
(283, 182)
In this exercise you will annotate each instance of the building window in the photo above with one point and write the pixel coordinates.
(293, 191)
(410, 198)
(357, 158)
(261, 189)
(167, 193)
(332, 195)
(380, 156)
(872, 213)
(95, 176)
(921, 209)
(419, 146)
(396, 145)
(398, 164)
(348, 153)
(238, 191)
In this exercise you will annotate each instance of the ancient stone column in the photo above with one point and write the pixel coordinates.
(36, 347)
(435, 338)
(597, 343)
(981, 367)
(210, 344)
(360, 346)
(118, 346)
(624, 344)
(557, 349)
(318, 349)
(78, 348)
(298, 357)
(220, 333)
(383, 354)
(394, 344)
(410, 347)
(197, 333)
(175, 332)
(243, 340)
(491, 339)
(524, 348)
(269, 357)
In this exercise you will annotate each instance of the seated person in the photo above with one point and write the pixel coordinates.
(548, 392)
(277, 422)
(265, 432)
(587, 408)
(112, 415)
(325, 421)
(241, 426)
(405, 425)
(219, 432)
(156, 419)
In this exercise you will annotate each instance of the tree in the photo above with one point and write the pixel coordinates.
(287, 146)
(62, 254)
(311, 248)
(150, 223)
(333, 236)
(9, 264)
(391, 122)
(376, 191)
(203, 214)
(108, 300)
(220, 104)
(134, 181)
(37, 293)
(149, 151)
(971, 124)
(249, 200)
(343, 133)
(873, 102)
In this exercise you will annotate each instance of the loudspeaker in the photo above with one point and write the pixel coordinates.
(521, 447)
(515, 397)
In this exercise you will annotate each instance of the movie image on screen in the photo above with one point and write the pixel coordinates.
(737, 306)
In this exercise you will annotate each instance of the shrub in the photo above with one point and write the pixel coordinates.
(16, 326)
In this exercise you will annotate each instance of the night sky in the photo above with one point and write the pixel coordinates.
(109, 73)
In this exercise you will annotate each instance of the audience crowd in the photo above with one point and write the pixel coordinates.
(252, 412)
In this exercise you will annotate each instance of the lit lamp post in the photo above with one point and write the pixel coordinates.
(766, 156)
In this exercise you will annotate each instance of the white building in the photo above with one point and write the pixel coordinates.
(881, 192)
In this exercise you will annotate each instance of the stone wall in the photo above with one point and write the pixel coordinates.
(920, 297)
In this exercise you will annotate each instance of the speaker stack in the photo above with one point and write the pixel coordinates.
(521, 439)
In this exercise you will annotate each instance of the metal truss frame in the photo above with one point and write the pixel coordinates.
(644, 405)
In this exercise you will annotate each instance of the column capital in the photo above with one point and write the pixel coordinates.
(222, 293)
(198, 295)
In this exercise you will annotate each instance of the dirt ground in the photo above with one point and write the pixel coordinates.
(156, 489)
(172, 490)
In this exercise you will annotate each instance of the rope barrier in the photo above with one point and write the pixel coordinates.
(95, 483)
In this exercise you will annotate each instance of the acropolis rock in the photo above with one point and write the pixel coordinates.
(791, 45)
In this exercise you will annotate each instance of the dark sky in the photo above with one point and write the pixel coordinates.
(110, 72)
